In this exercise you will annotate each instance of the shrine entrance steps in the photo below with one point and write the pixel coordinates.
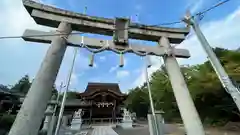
(112, 125)
(103, 130)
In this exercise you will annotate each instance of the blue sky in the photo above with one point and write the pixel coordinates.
(17, 57)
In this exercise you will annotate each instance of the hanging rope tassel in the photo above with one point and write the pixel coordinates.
(121, 60)
(91, 60)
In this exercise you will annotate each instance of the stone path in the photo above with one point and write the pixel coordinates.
(71, 132)
(103, 130)
(143, 129)
(134, 131)
(170, 129)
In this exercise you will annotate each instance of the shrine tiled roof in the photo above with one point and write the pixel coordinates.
(4, 92)
(93, 87)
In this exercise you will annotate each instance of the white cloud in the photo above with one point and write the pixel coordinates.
(122, 73)
(220, 33)
(112, 69)
(156, 63)
(138, 7)
(95, 65)
(13, 51)
(19, 57)
(102, 58)
(125, 61)
(74, 79)
(95, 79)
(196, 5)
(137, 71)
(49, 2)
(80, 65)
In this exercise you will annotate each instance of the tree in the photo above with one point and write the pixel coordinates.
(71, 95)
(54, 90)
(4, 87)
(163, 96)
(23, 85)
(138, 102)
(214, 104)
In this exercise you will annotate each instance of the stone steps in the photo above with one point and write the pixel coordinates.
(103, 130)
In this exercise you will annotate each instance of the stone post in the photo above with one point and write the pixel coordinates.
(151, 124)
(30, 116)
(47, 122)
(159, 124)
(76, 123)
(48, 115)
(51, 127)
(190, 117)
(64, 121)
(127, 120)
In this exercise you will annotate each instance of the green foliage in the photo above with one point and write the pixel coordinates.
(138, 101)
(214, 104)
(54, 90)
(4, 87)
(71, 95)
(23, 85)
(6, 121)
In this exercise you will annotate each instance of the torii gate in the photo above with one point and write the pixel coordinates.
(29, 118)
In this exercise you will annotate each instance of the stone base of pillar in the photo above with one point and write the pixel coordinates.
(152, 125)
(76, 124)
(47, 122)
(42, 132)
(64, 121)
(52, 125)
(127, 120)
(127, 124)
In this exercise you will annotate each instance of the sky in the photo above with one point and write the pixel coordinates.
(221, 27)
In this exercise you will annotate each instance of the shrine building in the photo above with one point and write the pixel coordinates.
(100, 102)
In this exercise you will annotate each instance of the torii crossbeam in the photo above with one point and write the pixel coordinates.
(76, 41)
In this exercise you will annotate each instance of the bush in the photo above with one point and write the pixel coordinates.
(6, 121)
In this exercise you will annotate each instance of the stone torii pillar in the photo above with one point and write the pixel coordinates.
(189, 114)
(35, 103)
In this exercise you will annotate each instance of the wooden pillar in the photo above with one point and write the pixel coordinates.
(1, 102)
(90, 121)
(90, 116)
(114, 109)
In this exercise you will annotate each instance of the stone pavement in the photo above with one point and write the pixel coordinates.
(134, 131)
(103, 130)
(72, 132)
(169, 129)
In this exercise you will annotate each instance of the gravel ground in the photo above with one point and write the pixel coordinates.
(134, 131)
(170, 129)
(144, 130)
(71, 132)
